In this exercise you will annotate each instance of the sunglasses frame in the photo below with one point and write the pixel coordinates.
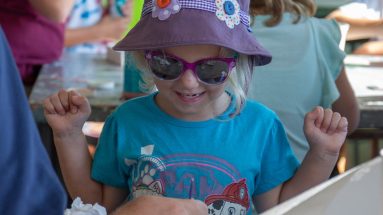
(230, 62)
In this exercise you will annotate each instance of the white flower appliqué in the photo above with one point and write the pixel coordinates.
(228, 11)
(164, 8)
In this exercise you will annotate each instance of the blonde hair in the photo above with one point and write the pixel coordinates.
(276, 8)
(238, 81)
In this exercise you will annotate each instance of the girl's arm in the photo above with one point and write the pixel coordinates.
(75, 164)
(325, 131)
(57, 10)
(66, 113)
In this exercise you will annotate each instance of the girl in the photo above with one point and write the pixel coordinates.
(197, 136)
(311, 60)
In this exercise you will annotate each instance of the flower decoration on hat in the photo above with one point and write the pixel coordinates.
(164, 8)
(228, 11)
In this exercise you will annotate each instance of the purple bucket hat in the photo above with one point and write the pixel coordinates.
(168, 23)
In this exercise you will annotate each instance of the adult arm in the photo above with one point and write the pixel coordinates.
(347, 104)
(360, 28)
(370, 48)
(108, 29)
(148, 205)
(55, 10)
(28, 181)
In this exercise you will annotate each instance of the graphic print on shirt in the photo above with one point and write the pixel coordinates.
(204, 177)
(234, 200)
(144, 174)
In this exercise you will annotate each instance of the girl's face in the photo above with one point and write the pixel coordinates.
(188, 98)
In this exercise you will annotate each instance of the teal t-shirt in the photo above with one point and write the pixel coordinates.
(223, 162)
(306, 62)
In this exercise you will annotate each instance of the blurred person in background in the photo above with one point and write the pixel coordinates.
(307, 67)
(35, 32)
(93, 24)
(29, 185)
(365, 18)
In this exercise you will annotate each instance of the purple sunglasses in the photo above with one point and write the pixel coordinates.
(211, 71)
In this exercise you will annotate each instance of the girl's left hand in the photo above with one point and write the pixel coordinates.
(325, 131)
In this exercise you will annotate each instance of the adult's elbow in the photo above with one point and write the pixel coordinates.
(58, 15)
(56, 12)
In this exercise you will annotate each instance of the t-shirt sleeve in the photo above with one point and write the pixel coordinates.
(330, 56)
(106, 167)
(278, 163)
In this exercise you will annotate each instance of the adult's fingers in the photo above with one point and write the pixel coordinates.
(197, 207)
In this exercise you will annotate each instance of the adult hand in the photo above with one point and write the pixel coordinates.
(325, 131)
(113, 28)
(66, 112)
(154, 205)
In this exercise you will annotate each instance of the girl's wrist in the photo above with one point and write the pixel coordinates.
(68, 134)
(323, 155)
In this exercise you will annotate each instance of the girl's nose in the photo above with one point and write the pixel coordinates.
(188, 79)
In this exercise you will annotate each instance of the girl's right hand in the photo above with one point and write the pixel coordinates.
(66, 112)
(325, 131)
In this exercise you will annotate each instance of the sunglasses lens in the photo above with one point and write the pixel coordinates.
(212, 71)
(165, 68)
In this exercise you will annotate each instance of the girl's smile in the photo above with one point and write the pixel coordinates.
(190, 98)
